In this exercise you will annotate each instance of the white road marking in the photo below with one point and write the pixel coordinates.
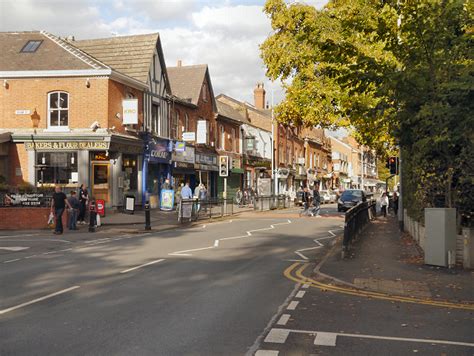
(292, 305)
(277, 336)
(183, 253)
(305, 286)
(143, 265)
(300, 294)
(266, 353)
(325, 339)
(284, 319)
(9, 236)
(4, 311)
(380, 337)
(16, 259)
(14, 248)
(299, 252)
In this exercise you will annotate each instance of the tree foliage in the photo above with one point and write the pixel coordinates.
(396, 71)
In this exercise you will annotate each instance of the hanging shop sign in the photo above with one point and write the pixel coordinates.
(70, 145)
(201, 131)
(130, 111)
(189, 136)
(158, 151)
(180, 146)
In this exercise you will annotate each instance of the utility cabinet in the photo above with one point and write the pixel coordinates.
(440, 224)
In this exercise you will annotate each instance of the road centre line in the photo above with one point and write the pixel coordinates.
(143, 265)
(374, 337)
(4, 311)
(300, 294)
(293, 304)
(299, 252)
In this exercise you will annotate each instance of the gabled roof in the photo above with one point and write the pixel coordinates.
(186, 82)
(229, 112)
(52, 54)
(129, 55)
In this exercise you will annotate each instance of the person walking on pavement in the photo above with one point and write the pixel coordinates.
(395, 203)
(197, 190)
(58, 204)
(384, 204)
(305, 200)
(186, 192)
(83, 201)
(166, 185)
(74, 203)
(316, 202)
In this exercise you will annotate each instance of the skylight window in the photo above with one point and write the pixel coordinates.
(31, 46)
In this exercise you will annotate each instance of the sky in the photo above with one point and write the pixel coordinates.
(223, 34)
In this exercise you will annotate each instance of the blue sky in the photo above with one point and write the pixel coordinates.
(224, 34)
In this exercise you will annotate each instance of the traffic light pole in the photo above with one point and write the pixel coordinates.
(225, 194)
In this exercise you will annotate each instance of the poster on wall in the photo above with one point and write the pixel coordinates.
(167, 199)
(130, 111)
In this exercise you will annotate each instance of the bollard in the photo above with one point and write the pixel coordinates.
(147, 216)
(92, 216)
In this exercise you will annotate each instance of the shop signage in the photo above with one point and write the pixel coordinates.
(206, 159)
(236, 163)
(201, 131)
(100, 156)
(206, 167)
(167, 199)
(22, 112)
(189, 136)
(158, 152)
(180, 146)
(124, 148)
(183, 165)
(130, 111)
(27, 199)
(187, 155)
(70, 145)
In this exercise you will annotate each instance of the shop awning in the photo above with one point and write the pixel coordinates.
(5, 137)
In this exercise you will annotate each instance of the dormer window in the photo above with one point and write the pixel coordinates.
(31, 46)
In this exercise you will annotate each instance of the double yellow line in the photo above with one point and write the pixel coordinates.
(295, 273)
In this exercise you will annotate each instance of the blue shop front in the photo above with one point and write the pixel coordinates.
(156, 169)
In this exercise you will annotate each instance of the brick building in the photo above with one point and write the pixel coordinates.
(193, 121)
(69, 117)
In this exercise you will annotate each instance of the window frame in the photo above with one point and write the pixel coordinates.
(58, 127)
(23, 49)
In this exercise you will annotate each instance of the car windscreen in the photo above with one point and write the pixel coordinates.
(351, 195)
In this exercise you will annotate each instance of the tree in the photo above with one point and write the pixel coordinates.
(397, 71)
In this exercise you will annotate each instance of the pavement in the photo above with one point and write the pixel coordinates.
(247, 285)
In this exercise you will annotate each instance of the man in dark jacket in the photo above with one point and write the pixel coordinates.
(316, 202)
(58, 204)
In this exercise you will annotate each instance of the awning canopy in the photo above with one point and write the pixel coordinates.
(5, 137)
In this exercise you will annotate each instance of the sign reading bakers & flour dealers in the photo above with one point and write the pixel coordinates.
(69, 145)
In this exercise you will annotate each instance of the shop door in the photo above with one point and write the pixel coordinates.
(101, 181)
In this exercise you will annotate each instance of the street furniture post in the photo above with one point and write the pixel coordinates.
(147, 216)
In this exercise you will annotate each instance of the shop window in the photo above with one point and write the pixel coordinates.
(233, 139)
(56, 168)
(222, 138)
(58, 110)
(130, 172)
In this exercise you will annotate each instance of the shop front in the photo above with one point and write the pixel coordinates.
(158, 168)
(5, 138)
(183, 159)
(107, 165)
(206, 170)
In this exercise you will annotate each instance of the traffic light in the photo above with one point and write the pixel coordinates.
(392, 164)
(223, 166)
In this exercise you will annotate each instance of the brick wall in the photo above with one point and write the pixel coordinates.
(26, 218)
(116, 93)
(86, 105)
(18, 158)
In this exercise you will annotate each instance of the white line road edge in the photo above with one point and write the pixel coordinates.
(332, 234)
(143, 265)
(4, 311)
(216, 242)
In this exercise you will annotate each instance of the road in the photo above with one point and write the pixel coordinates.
(211, 289)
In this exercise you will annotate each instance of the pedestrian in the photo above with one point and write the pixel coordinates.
(197, 190)
(186, 192)
(58, 204)
(75, 206)
(305, 198)
(395, 203)
(384, 204)
(316, 202)
(83, 202)
(166, 185)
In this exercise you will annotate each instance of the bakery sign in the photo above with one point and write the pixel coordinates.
(69, 145)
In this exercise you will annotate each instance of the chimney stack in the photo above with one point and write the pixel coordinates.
(259, 96)
(180, 62)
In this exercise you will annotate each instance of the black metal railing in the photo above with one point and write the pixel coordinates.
(272, 202)
(355, 221)
(194, 209)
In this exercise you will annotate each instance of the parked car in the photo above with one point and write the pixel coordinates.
(298, 198)
(325, 196)
(350, 198)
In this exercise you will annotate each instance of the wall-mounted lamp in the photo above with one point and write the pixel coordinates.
(88, 83)
(5, 84)
(118, 115)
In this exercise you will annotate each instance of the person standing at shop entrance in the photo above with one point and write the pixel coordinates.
(83, 199)
(58, 204)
